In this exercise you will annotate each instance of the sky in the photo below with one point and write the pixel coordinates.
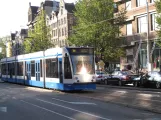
(14, 14)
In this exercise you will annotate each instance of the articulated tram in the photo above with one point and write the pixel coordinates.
(67, 68)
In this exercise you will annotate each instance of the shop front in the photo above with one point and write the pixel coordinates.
(156, 58)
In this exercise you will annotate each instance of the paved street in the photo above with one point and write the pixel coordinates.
(142, 98)
(27, 103)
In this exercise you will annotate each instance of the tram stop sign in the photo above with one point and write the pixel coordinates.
(101, 64)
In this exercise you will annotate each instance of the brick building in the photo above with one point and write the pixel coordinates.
(135, 33)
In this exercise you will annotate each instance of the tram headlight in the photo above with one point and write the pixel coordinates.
(83, 70)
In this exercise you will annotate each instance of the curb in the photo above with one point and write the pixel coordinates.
(130, 88)
(122, 104)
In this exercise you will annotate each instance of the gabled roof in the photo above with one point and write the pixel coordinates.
(23, 31)
(48, 3)
(70, 7)
(34, 9)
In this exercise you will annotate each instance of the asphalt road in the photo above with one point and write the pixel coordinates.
(27, 103)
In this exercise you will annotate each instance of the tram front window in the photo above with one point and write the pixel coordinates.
(83, 64)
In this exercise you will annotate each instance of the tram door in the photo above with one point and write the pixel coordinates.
(28, 70)
(37, 70)
(60, 72)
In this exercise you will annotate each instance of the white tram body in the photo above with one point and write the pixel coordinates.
(67, 68)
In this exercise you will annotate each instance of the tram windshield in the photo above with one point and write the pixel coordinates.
(83, 64)
(83, 61)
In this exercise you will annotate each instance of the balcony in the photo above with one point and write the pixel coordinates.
(128, 41)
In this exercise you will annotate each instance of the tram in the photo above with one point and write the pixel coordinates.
(67, 68)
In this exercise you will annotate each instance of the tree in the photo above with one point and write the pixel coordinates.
(39, 38)
(3, 49)
(97, 26)
(158, 20)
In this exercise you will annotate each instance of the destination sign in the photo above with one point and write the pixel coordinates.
(81, 51)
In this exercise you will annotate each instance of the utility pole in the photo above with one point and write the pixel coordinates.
(148, 43)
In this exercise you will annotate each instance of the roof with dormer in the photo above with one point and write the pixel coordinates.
(34, 9)
(70, 7)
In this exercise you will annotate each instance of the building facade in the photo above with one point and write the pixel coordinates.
(138, 29)
(33, 11)
(59, 17)
(17, 40)
(61, 22)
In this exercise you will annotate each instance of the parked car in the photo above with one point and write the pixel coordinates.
(151, 78)
(120, 78)
(101, 76)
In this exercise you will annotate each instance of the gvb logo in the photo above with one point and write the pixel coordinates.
(3, 109)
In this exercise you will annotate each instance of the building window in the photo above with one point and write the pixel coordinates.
(64, 20)
(143, 56)
(65, 31)
(54, 32)
(154, 25)
(61, 11)
(61, 21)
(71, 21)
(128, 5)
(59, 32)
(142, 24)
(62, 32)
(129, 28)
(152, 1)
(141, 2)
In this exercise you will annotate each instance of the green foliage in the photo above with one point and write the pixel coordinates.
(3, 48)
(39, 38)
(97, 26)
(158, 19)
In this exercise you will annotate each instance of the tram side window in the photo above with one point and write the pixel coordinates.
(33, 68)
(52, 68)
(3, 69)
(10, 69)
(67, 69)
(20, 68)
(13, 68)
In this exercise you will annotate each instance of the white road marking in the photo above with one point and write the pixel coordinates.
(48, 110)
(3, 109)
(86, 103)
(74, 109)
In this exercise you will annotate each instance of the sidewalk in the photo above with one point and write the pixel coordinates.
(140, 100)
(130, 87)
